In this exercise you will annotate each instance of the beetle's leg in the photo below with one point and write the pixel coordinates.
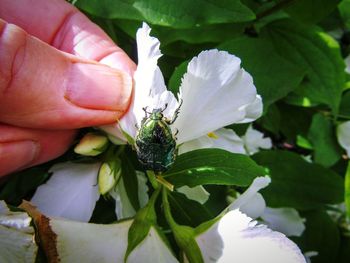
(176, 113)
(165, 106)
(145, 110)
(176, 133)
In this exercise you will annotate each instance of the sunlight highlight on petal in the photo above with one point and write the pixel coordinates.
(216, 92)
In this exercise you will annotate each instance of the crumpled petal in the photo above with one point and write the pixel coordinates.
(149, 91)
(225, 139)
(249, 197)
(343, 134)
(196, 193)
(254, 140)
(123, 206)
(216, 92)
(71, 192)
(236, 238)
(16, 236)
(286, 220)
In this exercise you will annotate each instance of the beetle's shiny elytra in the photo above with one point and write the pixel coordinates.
(155, 142)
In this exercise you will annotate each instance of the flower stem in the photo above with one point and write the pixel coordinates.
(167, 212)
(152, 178)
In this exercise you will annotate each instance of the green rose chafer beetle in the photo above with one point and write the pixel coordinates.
(155, 143)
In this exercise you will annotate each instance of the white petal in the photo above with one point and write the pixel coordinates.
(216, 92)
(84, 242)
(250, 195)
(253, 110)
(254, 207)
(347, 64)
(254, 140)
(149, 84)
(197, 193)
(16, 236)
(235, 238)
(225, 139)
(285, 220)
(343, 134)
(152, 250)
(310, 254)
(123, 206)
(71, 192)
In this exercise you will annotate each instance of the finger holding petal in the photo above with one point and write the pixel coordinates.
(71, 192)
(216, 92)
(148, 82)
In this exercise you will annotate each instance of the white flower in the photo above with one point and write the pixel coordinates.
(215, 92)
(16, 236)
(254, 140)
(72, 192)
(343, 134)
(236, 238)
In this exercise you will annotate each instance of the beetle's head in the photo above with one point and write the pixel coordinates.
(157, 114)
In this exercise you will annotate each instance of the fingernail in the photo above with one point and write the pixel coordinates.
(98, 87)
(17, 155)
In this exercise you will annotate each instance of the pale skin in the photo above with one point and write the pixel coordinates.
(58, 72)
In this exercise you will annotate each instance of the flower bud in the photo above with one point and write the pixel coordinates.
(108, 176)
(91, 144)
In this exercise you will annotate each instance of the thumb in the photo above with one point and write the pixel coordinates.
(42, 87)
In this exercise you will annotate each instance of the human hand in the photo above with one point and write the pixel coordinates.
(53, 81)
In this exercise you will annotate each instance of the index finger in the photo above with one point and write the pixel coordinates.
(63, 26)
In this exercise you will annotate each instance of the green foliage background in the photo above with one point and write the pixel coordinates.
(295, 51)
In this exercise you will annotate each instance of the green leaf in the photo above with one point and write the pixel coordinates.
(321, 235)
(201, 34)
(314, 51)
(322, 136)
(130, 181)
(294, 121)
(311, 11)
(176, 77)
(345, 105)
(21, 184)
(274, 81)
(144, 219)
(347, 190)
(271, 120)
(177, 14)
(184, 235)
(213, 166)
(344, 10)
(188, 212)
(297, 183)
